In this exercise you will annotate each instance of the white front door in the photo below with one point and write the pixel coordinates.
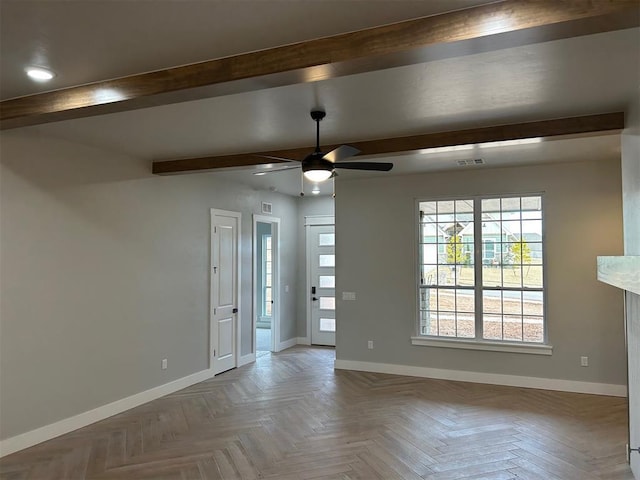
(323, 284)
(224, 290)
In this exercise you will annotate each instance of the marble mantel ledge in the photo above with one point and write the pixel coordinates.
(622, 272)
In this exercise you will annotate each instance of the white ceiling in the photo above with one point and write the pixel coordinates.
(91, 40)
(88, 41)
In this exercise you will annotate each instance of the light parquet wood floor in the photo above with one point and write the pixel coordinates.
(291, 416)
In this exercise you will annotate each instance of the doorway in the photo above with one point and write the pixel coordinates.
(266, 320)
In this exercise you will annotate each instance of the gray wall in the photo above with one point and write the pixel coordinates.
(631, 208)
(105, 271)
(375, 249)
(307, 206)
(286, 208)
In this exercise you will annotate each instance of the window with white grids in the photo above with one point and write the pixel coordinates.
(481, 270)
(267, 287)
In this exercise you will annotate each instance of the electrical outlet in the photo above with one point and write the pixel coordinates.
(370, 344)
(348, 295)
(164, 364)
(584, 361)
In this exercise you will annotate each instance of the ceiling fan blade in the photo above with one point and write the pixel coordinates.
(340, 153)
(378, 166)
(264, 172)
(282, 159)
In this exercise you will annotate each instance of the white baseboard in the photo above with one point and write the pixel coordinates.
(488, 378)
(304, 341)
(287, 344)
(42, 434)
(246, 359)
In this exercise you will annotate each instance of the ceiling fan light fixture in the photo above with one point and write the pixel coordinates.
(318, 175)
(316, 168)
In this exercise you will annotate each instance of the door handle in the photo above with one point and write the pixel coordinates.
(235, 310)
(314, 299)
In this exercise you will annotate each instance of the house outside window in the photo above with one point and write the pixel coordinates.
(481, 269)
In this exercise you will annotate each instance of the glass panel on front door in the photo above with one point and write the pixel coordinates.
(327, 324)
(327, 260)
(327, 303)
(326, 239)
(327, 281)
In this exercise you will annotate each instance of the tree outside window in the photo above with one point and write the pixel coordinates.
(521, 252)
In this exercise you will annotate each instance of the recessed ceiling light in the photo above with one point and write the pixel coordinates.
(40, 74)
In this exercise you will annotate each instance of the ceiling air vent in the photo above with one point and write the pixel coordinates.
(475, 161)
(267, 207)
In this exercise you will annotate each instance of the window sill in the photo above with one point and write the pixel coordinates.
(528, 348)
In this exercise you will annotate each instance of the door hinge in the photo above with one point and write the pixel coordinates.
(215, 229)
(214, 352)
(214, 311)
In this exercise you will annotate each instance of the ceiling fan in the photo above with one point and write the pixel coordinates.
(319, 166)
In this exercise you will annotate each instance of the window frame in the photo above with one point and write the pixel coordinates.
(479, 343)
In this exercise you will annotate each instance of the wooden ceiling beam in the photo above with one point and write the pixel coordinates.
(478, 29)
(546, 128)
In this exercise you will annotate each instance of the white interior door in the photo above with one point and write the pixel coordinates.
(323, 284)
(224, 290)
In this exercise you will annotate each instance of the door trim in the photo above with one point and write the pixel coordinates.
(237, 323)
(311, 221)
(275, 272)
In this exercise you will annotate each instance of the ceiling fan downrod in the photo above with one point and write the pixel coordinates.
(317, 116)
